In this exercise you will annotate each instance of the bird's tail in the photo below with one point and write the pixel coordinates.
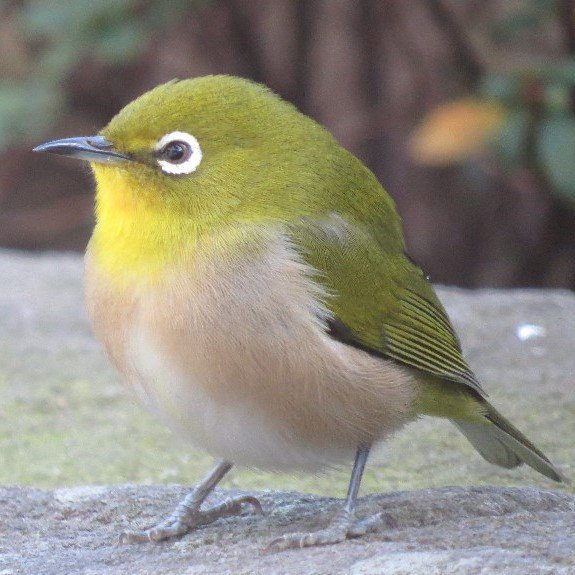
(499, 442)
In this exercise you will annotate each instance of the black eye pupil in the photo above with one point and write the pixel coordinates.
(176, 152)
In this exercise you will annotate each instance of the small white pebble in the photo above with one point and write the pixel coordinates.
(527, 331)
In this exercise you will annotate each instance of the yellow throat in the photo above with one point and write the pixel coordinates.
(136, 237)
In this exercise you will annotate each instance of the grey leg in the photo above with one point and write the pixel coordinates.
(188, 515)
(355, 480)
(343, 525)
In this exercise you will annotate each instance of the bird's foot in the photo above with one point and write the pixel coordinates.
(186, 518)
(342, 527)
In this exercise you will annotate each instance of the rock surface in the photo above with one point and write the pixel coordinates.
(507, 531)
(63, 421)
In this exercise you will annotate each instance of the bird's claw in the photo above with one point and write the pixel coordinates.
(340, 530)
(185, 519)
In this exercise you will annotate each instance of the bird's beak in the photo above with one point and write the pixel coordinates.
(91, 148)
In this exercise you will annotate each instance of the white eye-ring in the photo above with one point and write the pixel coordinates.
(178, 153)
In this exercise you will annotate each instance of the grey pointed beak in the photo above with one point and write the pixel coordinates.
(91, 148)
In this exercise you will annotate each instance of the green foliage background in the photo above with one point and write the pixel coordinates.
(60, 34)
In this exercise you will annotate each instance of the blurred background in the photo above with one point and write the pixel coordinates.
(464, 109)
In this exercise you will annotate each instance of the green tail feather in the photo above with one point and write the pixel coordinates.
(499, 442)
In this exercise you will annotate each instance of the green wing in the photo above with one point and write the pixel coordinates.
(379, 300)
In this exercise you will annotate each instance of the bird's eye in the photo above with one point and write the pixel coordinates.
(178, 153)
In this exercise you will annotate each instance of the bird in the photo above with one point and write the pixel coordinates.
(249, 278)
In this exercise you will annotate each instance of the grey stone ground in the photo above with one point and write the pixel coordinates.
(509, 531)
(520, 343)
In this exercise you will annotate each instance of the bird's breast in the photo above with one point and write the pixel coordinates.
(230, 351)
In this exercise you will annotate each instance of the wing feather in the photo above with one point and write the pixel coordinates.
(381, 302)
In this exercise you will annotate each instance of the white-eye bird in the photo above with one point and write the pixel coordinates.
(248, 277)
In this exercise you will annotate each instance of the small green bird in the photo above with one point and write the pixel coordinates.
(248, 277)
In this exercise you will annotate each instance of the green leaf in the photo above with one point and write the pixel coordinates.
(563, 73)
(556, 148)
(120, 43)
(530, 16)
(26, 110)
(60, 18)
(505, 88)
(509, 143)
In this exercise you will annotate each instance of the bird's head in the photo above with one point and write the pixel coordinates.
(208, 148)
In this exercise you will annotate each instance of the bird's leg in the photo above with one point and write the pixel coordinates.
(188, 515)
(343, 525)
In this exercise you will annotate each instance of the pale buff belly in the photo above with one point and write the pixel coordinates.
(233, 356)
